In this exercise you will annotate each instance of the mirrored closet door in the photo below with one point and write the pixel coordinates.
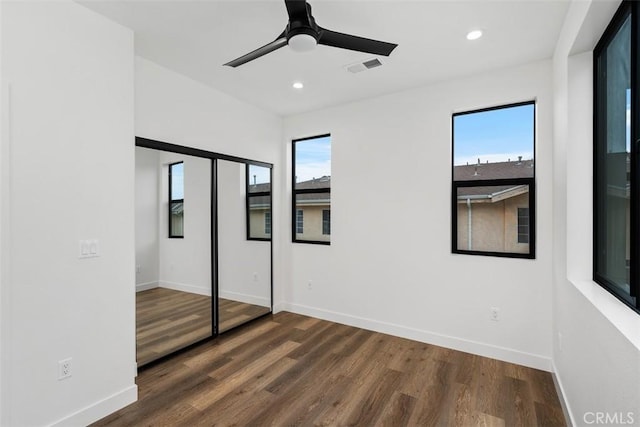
(173, 252)
(203, 246)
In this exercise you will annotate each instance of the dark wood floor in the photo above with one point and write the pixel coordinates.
(289, 369)
(168, 320)
(234, 313)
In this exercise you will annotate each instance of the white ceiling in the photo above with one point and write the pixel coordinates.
(195, 38)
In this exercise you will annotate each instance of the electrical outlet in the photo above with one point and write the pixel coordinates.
(137, 269)
(309, 286)
(255, 277)
(495, 314)
(64, 369)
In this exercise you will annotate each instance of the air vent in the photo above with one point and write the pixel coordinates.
(373, 63)
(363, 66)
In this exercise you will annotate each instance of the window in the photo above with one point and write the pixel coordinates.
(258, 181)
(523, 225)
(299, 221)
(616, 174)
(493, 191)
(267, 223)
(176, 200)
(326, 222)
(311, 178)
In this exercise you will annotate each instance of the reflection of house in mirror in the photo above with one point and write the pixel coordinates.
(313, 211)
(494, 218)
(259, 213)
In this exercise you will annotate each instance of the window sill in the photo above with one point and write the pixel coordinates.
(621, 317)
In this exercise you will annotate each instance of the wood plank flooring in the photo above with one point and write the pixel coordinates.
(289, 369)
(168, 320)
(234, 313)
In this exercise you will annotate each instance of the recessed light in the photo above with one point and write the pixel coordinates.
(474, 35)
(298, 85)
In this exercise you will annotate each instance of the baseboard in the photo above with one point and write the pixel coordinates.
(566, 409)
(467, 346)
(278, 307)
(192, 289)
(146, 286)
(247, 299)
(100, 409)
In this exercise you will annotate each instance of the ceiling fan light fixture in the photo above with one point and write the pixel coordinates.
(302, 42)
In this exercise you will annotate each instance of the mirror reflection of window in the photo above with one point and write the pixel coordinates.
(176, 200)
(258, 202)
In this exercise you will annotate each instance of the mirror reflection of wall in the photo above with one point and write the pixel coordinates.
(244, 248)
(173, 252)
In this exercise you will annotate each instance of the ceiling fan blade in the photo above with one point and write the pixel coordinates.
(360, 44)
(297, 10)
(268, 48)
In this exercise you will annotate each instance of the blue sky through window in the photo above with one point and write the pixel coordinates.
(258, 175)
(494, 135)
(177, 181)
(313, 158)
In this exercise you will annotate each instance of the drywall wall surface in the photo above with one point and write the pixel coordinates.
(68, 75)
(147, 206)
(389, 266)
(185, 263)
(596, 349)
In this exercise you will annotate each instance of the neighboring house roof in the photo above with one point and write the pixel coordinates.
(306, 199)
(177, 208)
(497, 170)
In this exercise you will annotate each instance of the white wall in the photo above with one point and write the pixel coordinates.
(68, 168)
(389, 266)
(147, 210)
(244, 265)
(175, 109)
(596, 338)
(185, 264)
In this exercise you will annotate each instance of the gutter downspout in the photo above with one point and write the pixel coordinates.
(469, 234)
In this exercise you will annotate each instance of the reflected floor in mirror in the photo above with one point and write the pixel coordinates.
(235, 313)
(168, 320)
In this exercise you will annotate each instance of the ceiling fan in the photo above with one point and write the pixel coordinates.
(303, 34)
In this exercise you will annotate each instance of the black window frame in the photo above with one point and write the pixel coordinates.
(295, 192)
(530, 182)
(626, 9)
(249, 195)
(173, 201)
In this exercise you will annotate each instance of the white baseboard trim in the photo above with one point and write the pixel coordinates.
(100, 409)
(146, 286)
(247, 299)
(566, 409)
(185, 288)
(278, 307)
(468, 346)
